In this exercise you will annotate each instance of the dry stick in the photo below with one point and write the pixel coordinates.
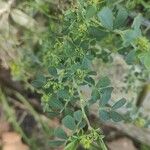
(7, 7)
(11, 117)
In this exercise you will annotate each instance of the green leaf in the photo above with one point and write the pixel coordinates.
(90, 12)
(145, 59)
(121, 17)
(137, 22)
(86, 63)
(106, 18)
(95, 95)
(72, 146)
(39, 81)
(60, 133)
(52, 71)
(92, 73)
(68, 111)
(104, 115)
(82, 124)
(69, 122)
(90, 80)
(56, 143)
(103, 82)
(119, 103)
(116, 117)
(55, 104)
(96, 33)
(105, 96)
(78, 115)
(63, 93)
(37, 84)
(130, 58)
(129, 36)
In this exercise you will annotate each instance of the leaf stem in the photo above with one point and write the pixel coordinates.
(82, 102)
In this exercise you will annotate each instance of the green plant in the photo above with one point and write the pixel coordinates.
(63, 55)
(86, 28)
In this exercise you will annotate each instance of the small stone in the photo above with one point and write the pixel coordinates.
(4, 127)
(121, 144)
(14, 146)
(11, 137)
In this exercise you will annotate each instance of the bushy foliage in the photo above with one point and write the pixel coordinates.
(86, 30)
(64, 55)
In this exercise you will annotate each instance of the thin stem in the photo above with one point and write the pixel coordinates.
(102, 144)
(82, 102)
(64, 107)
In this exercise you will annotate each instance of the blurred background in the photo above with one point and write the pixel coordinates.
(24, 27)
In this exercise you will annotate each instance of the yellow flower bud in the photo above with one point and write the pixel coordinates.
(143, 44)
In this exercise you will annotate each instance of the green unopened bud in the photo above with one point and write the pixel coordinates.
(86, 142)
(140, 122)
(143, 44)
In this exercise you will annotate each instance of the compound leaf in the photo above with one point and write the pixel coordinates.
(119, 103)
(104, 115)
(115, 116)
(106, 18)
(105, 96)
(103, 82)
(60, 133)
(78, 115)
(69, 122)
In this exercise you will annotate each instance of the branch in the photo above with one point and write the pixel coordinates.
(140, 134)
